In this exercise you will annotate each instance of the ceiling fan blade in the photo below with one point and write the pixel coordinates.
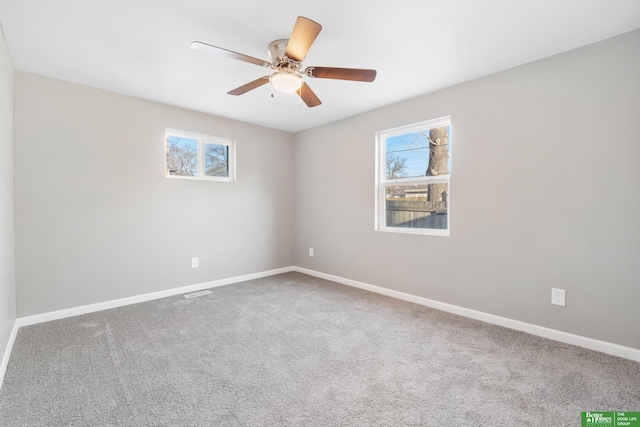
(228, 53)
(308, 96)
(357, 74)
(302, 37)
(249, 86)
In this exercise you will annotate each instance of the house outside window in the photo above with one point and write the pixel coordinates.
(413, 172)
(195, 156)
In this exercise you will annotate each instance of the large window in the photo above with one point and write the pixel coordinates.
(195, 156)
(413, 169)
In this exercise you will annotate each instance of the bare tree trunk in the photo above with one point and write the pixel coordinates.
(438, 159)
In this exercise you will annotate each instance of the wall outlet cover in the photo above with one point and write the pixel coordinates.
(558, 297)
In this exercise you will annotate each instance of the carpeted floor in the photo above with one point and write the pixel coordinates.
(294, 350)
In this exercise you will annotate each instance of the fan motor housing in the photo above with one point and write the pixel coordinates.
(277, 48)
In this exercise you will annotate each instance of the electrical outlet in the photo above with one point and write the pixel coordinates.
(311, 252)
(558, 296)
(194, 262)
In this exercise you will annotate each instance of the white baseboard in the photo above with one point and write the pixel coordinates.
(564, 337)
(590, 343)
(76, 311)
(7, 352)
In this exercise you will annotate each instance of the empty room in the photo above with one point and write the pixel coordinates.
(291, 213)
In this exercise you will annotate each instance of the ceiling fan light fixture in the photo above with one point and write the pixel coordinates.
(286, 58)
(286, 81)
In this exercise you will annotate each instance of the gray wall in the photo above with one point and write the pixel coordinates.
(7, 271)
(96, 219)
(545, 192)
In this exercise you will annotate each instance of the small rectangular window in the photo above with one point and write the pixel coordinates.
(413, 170)
(195, 156)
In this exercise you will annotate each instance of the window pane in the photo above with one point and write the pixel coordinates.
(182, 156)
(412, 155)
(216, 159)
(417, 206)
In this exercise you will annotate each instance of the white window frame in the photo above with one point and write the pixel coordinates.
(202, 140)
(382, 182)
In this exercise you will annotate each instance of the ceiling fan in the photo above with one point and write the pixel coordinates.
(287, 57)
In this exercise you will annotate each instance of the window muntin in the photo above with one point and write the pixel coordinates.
(194, 156)
(412, 178)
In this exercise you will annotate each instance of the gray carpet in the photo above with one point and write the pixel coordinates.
(294, 350)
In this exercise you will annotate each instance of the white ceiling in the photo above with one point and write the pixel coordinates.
(141, 47)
